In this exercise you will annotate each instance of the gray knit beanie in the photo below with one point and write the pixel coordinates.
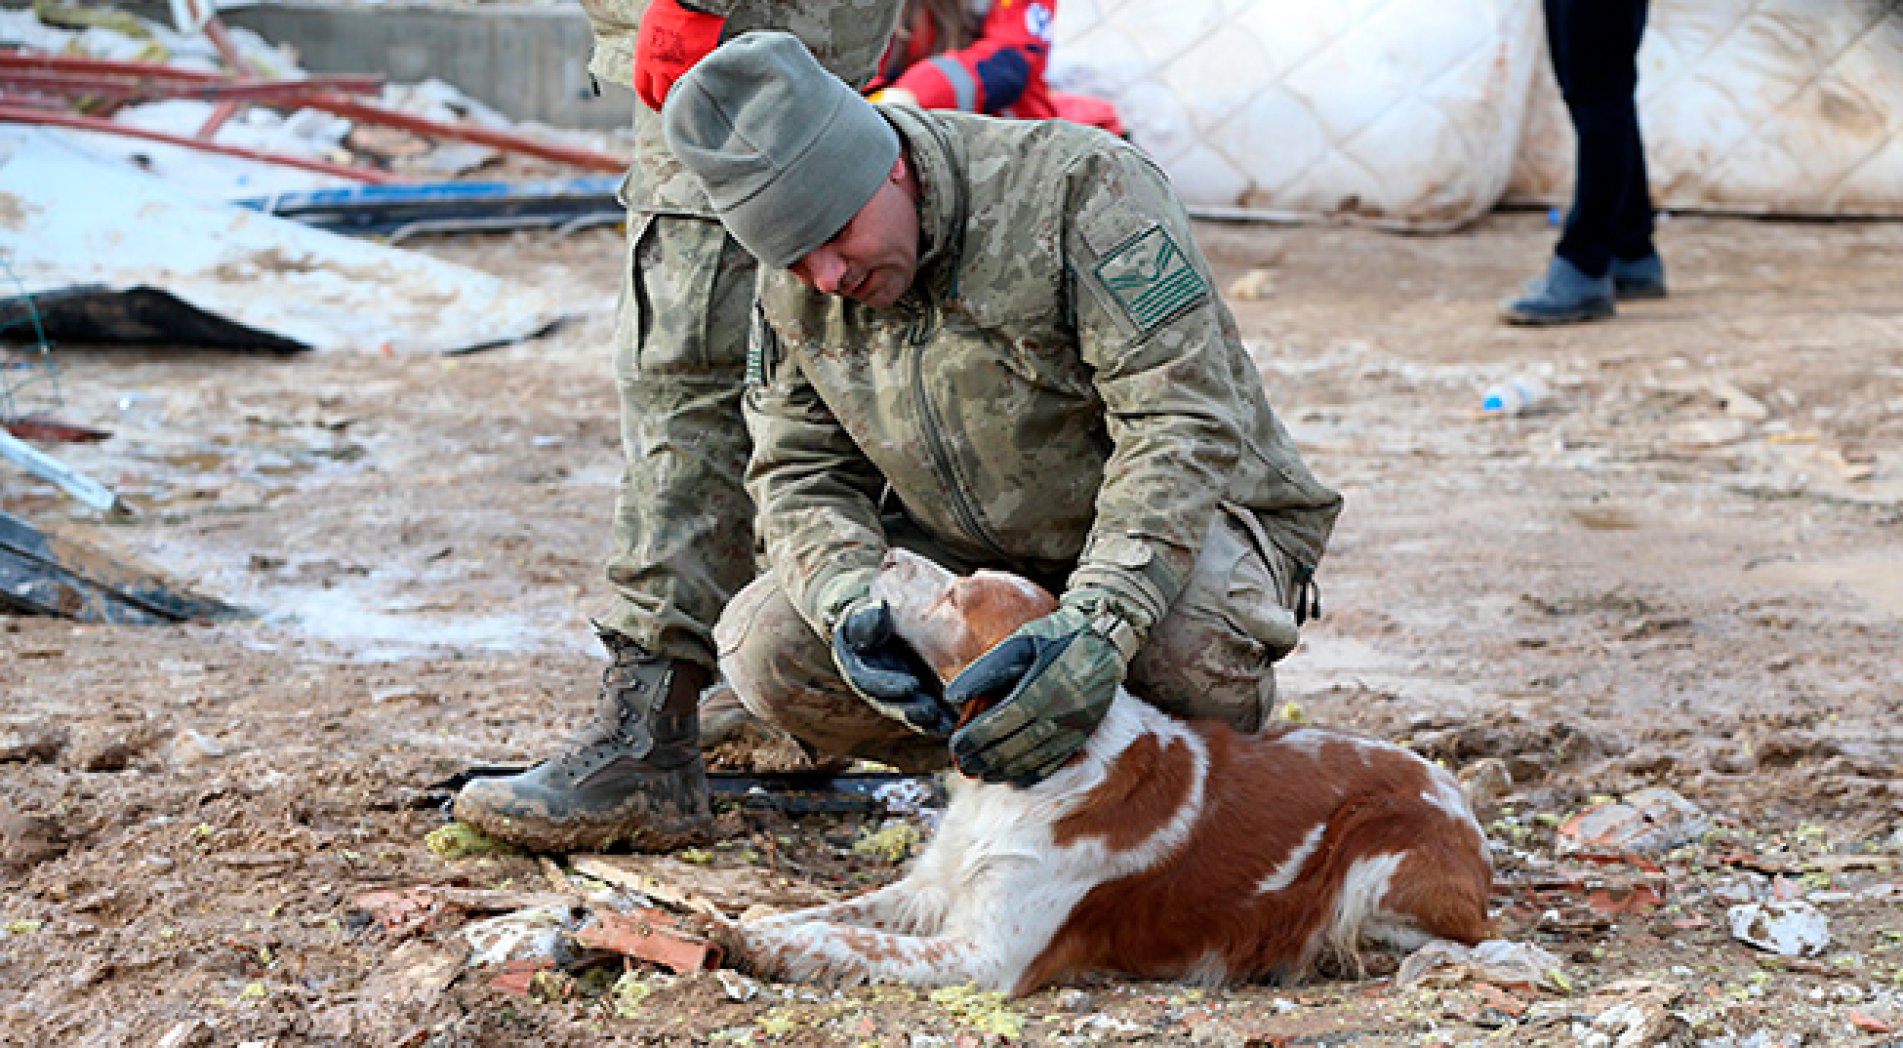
(787, 152)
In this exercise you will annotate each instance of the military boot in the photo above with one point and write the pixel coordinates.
(633, 775)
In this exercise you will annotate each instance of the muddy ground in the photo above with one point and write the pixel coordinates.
(1631, 587)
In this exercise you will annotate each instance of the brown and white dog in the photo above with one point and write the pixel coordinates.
(1165, 849)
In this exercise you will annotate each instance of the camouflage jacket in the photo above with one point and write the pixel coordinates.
(847, 36)
(1060, 391)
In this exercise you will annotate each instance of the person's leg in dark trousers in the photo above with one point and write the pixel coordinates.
(1595, 48)
(1606, 245)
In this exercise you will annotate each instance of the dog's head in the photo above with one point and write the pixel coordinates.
(952, 619)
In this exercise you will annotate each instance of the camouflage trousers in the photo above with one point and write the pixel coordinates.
(683, 525)
(1212, 656)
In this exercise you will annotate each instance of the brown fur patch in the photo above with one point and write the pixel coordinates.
(1203, 903)
(1143, 790)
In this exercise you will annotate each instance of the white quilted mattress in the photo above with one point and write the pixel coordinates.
(1402, 113)
(1791, 107)
(1421, 114)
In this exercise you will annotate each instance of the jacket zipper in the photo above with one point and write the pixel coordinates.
(917, 333)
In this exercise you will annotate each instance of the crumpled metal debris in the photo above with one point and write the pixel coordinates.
(1788, 927)
(1494, 960)
(1648, 821)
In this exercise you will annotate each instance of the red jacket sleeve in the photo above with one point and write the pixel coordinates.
(1008, 58)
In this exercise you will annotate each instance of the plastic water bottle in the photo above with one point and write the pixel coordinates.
(1513, 397)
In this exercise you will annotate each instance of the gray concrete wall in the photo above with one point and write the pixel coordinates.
(527, 60)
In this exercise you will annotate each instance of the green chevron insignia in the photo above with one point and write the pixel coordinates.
(1151, 278)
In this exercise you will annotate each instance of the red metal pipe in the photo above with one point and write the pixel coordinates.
(34, 100)
(267, 92)
(375, 114)
(78, 64)
(349, 83)
(224, 112)
(22, 115)
(220, 38)
(332, 102)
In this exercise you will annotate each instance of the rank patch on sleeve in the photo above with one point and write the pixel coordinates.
(1151, 278)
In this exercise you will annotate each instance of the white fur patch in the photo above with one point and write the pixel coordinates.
(1362, 891)
(1291, 866)
(1444, 793)
(1210, 971)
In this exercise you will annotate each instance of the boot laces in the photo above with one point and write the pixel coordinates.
(623, 701)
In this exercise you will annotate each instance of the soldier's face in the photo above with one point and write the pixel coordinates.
(874, 258)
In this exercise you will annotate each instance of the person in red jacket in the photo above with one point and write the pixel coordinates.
(981, 56)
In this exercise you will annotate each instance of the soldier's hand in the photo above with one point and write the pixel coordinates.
(671, 39)
(1058, 676)
(882, 670)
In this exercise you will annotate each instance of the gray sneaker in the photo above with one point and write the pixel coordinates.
(632, 776)
(1565, 295)
(1638, 278)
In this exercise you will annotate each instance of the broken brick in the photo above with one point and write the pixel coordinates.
(652, 936)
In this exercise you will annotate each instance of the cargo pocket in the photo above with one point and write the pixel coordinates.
(1213, 655)
(686, 305)
(628, 306)
(1273, 582)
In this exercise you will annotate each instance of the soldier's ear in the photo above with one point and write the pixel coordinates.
(897, 174)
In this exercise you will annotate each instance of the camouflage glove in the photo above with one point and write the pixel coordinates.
(1060, 674)
(882, 670)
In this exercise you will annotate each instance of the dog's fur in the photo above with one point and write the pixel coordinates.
(1165, 849)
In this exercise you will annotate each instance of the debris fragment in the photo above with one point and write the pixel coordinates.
(1852, 464)
(1708, 433)
(1631, 1013)
(653, 936)
(1789, 928)
(187, 1033)
(191, 746)
(49, 571)
(1737, 403)
(1494, 960)
(1253, 285)
(906, 796)
(718, 890)
(981, 1010)
(1624, 899)
(517, 978)
(1649, 821)
(1500, 1000)
(460, 840)
(428, 907)
(738, 987)
(69, 480)
(28, 840)
(1075, 1001)
(415, 972)
(522, 935)
(890, 843)
(226, 276)
(629, 994)
(1485, 782)
(1870, 1023)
